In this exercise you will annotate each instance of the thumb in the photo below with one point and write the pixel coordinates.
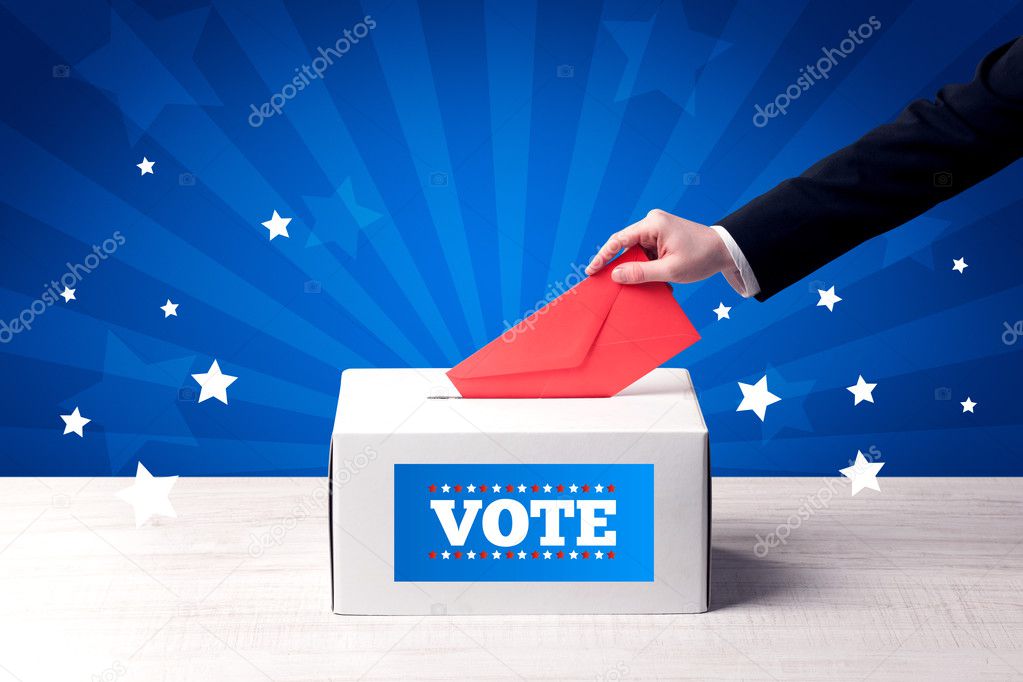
(637, 272)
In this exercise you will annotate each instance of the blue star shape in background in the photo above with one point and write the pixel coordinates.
(149, 67)
(339, 217)
(148, 398)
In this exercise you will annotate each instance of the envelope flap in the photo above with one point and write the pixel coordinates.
(557, 336)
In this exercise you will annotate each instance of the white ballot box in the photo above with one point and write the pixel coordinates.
(440, 504)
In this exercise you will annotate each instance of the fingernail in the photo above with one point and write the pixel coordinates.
(618, 275)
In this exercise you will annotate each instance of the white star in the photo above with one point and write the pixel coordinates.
(445, 555)
(446, 488)
(470, 555)
(547, 555)
(546, 488)
(722, 311)
(862, 390)
(470, 488)
(278, 226)
(68, 295)
(828, 298)
(522, 488)
(148, 495)
(967, 404)
(522, 555)
(598, 488)
(959, 265)
(756, 398)
(496, 487)
(496, 554)
(74, 422)
(573, 554)
(146, 166)
(598, 555)
(573, 488)
(214, 383)
(169, 309)
(863, 473)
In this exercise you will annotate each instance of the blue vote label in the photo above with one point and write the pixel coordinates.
(524, 522)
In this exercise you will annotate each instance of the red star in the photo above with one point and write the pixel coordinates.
(610, 488)
(536, 555)
(586, 555)
(458, 488)
(433, 555)
(458, 555)
(586, 488)
(561, 555)
(483, 554)
(610, 555)
(433, 488)
(561, 488)
(536, 488)
(508, 488)
(509, 555)
(483, 488)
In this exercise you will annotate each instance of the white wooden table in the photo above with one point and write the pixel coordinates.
(921, 581)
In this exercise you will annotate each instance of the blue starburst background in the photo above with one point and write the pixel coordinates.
(443, 174)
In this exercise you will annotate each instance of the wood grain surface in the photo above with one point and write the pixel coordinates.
(923, 580)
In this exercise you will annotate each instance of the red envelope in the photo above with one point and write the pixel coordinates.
(590, 342)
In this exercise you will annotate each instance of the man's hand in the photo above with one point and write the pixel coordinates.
(680, 251)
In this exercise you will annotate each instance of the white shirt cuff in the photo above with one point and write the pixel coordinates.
(745, 284)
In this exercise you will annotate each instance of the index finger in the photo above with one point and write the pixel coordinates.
(630, 236)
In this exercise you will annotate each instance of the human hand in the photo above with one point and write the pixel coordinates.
(680, 251)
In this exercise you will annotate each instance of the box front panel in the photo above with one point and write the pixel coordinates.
(524, 522)
(385, 528)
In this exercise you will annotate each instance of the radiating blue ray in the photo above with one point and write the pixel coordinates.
(725, 89)
(598, 127)
(564, 40)
(328, 139)
(855, 104)
(510, 45)
(405, 62)
(207, 279)
(226, 170)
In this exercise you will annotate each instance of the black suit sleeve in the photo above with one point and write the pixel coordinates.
(931, 152)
